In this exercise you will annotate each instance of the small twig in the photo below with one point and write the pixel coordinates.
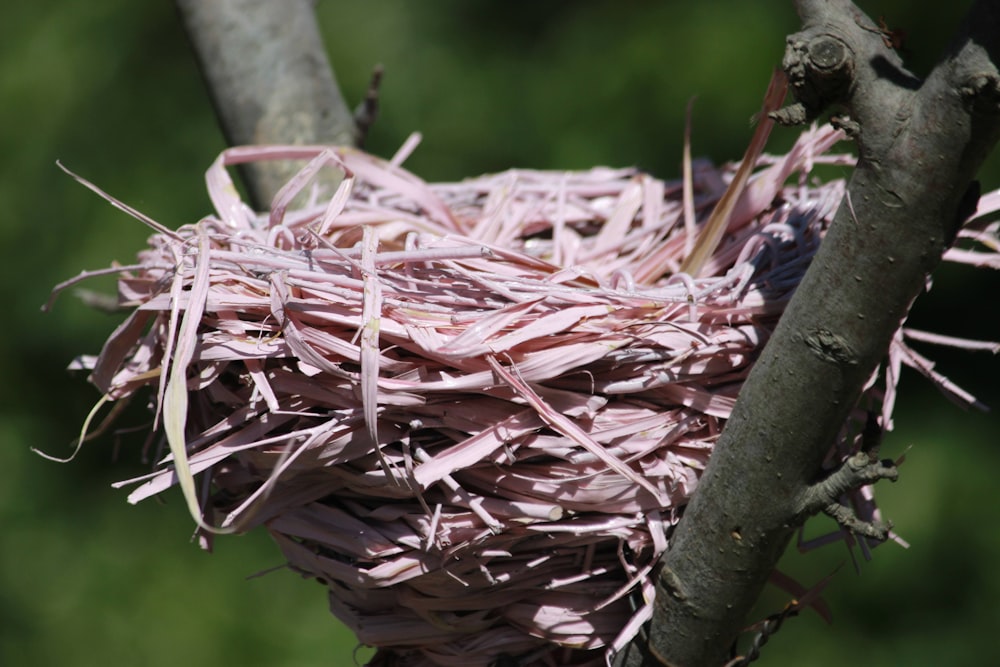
(769, 627)
(846, 517)
(367, 112)
(860, 469)
(100, 301)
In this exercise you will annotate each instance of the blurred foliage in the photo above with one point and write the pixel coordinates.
(111, 89)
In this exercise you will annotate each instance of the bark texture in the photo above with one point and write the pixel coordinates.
(920, 144)
(269, 79)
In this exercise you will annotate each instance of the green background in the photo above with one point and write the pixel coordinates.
(110, 88)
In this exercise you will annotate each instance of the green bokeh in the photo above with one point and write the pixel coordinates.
(111, 90)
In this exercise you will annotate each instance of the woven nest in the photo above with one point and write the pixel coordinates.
(473, 410)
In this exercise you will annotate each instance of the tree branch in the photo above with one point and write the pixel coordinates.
(269, 79)
(920, 145)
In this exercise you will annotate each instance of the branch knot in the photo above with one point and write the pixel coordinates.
(829, 56)
(831, 347)
(981, 93)
(820, 69)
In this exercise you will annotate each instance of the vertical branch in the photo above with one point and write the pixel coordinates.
(920, 144)
(269, 79)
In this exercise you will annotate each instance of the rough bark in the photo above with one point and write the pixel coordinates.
(920, 144)
(269, 79)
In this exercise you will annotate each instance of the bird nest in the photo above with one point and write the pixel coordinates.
(473, 410)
